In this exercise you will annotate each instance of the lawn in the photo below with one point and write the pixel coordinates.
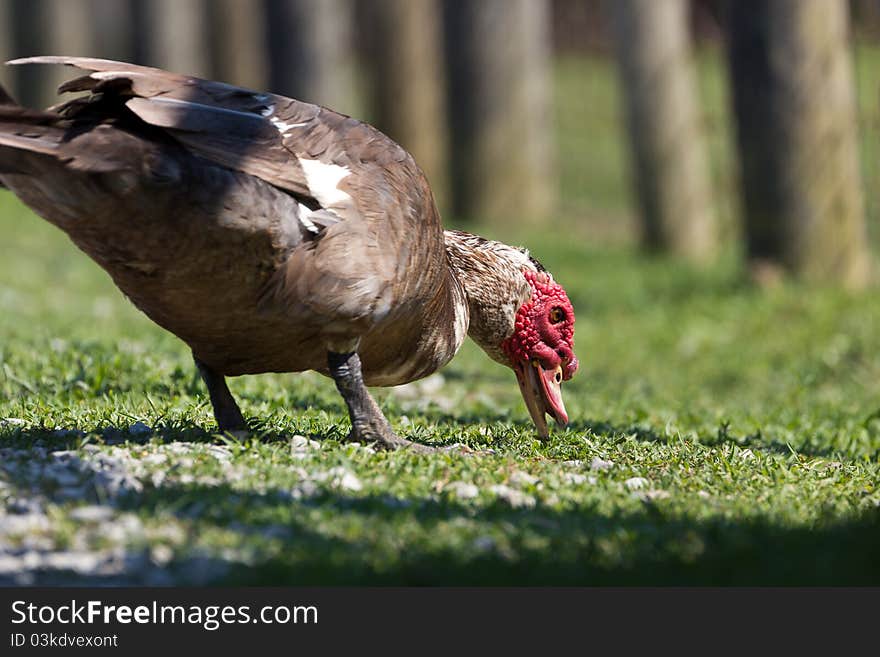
(720, 434)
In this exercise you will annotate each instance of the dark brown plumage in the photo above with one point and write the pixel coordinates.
(270, 235)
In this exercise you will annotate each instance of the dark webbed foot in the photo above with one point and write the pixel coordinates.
(226, 411)
(368, 424)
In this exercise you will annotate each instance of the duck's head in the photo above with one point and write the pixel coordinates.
(521, 317)
(541, 349)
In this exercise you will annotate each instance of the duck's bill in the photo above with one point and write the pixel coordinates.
(542, 391)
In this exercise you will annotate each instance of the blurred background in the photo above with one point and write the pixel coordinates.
(696, 128)
(703, 177)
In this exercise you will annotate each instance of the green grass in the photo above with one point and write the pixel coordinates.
(742, 426)
(751, 416)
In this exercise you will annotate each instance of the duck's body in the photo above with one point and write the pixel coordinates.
(264, 232)
(231, 263)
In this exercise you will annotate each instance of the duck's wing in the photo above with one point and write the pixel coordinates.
(372, 211)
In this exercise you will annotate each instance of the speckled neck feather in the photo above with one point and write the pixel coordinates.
(491, 274)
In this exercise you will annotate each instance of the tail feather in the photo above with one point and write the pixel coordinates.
(5, 101)
(29, 139)
(19, 139)
(24, 130)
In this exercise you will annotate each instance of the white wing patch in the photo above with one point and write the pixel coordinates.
(308, 224)
(283, 127)
(323, 180)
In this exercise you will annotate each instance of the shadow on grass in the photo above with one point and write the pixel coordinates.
(339, 538)
(548, 547)
(186, 431)
(167, 431)
(109, 434)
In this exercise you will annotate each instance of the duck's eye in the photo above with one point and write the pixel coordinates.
(557, 315)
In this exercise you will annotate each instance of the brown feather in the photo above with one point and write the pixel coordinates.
(261, 230)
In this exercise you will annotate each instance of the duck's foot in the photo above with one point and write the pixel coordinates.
(368, 423)
(387, 439)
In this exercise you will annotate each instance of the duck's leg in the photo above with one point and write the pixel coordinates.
(368, 424)
(226, 411)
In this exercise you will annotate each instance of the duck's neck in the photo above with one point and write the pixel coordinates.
(490, 273)
(483, 289)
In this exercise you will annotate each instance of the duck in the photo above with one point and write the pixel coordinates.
(274, 235)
